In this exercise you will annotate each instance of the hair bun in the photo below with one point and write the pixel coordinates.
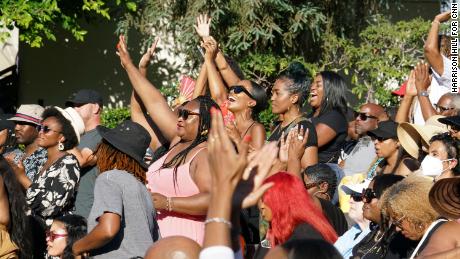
(296, 69)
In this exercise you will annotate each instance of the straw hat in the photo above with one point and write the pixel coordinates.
(75, 120)
(413, 136)
(445, 197)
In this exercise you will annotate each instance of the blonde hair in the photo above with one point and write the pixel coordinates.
(409, 198)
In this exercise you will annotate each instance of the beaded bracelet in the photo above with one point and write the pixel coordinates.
(169, 203)
(218, 220)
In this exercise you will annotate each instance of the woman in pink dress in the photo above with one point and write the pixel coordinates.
(180, 180)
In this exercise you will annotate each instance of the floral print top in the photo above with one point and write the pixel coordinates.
(52, 194)
(34, 162)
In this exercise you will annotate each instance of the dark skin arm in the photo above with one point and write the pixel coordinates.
(106, 229)
(225, 70)
(327, 134)
(196, 204)
(137, 115)
(445, 238)
(217, 87)
(154, 101)
(431, 47)
(200, 85)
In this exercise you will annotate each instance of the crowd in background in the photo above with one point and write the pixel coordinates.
(203, 178)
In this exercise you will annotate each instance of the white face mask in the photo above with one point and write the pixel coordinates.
(432, 166)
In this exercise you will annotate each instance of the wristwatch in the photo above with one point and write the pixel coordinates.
(423, 93)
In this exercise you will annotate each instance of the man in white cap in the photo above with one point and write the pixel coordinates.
(88, 103)
(27, 117)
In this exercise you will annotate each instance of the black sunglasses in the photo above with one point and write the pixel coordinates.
(440, 108)
(379, 139)
(45, 129)
(240, 89)
(185, 113)
(368, 195)
(363, 116)
(357, 197)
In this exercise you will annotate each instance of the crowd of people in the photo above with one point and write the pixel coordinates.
(203, 178)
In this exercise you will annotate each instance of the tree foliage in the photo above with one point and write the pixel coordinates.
(38, 20)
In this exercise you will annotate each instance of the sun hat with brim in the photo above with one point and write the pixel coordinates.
(414, 136)
(31, 113)
(451, 120)
(128, 137)
(356, 188)
(385, 129)
(75, 120)
(445, 197)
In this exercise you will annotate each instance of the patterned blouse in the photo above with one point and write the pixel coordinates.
(34, 162)
(52, 194)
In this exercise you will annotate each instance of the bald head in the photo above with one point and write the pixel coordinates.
(175, 247)
(369, 116)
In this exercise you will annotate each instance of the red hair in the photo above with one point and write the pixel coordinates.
(291, 205)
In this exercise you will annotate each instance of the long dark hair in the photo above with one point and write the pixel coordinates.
(76, 228)
(206, 103)
(260, 96)
(19, 227)
(335, 89)
(402, 154)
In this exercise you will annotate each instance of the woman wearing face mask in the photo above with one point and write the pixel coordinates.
(288, 95)
(180, 180)
(408, 206)
(328, 101)
(383, 241)
(441, 161)
(388, 148)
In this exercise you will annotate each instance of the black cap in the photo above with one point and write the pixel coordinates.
(85, 96)
(5, 123)
(451, 120)
(385, 129)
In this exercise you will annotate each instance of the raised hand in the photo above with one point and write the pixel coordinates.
(211, 48)
(149, 54)
(411, 90)
(202, 26)
(442, 17)
(122, 52)
(297, 142)
(422, 77)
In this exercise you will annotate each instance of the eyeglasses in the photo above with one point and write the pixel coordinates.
(240, 89)
(398, 222)
(357, 197)
(440, 108)
(185, 113)
(368, 195)
(45, 129)
(363, 116)
(51, 236)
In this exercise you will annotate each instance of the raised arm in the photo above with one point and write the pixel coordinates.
(422, 82)
(200, 85)
(402, 115)
(138, 115)
(147, 57)
(154, 101)
(216, 85)
(431, 47)
(225, 70)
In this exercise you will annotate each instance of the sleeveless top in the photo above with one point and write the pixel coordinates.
(161, 181)
(426, 237)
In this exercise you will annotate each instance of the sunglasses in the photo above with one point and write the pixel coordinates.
(397, 223)
(363, 116)
(51, 236)
(185, 113)
(240, 89)
(440, 108)
(379, 139)
(45, 129)
(357, 197)
(368, 195)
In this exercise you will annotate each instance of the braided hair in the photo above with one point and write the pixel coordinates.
(202, 135)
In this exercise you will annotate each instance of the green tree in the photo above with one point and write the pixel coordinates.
(39, 19)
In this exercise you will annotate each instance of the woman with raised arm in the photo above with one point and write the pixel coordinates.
(180, 180)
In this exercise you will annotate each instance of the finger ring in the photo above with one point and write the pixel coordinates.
(300, 138)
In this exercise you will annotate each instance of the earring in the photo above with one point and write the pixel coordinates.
(60, 146)
(204, 132)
